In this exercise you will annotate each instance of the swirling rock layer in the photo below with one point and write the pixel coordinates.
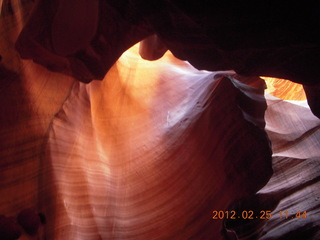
(149, 153)
(292, 194)
(154, 148)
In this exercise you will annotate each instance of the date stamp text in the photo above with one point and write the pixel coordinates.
(263, 214)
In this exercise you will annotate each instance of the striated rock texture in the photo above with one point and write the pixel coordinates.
(155, 147)
(149, 153)
(292, 195)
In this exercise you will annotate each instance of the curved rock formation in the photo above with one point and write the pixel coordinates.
(291, 196)
(152, 150)
(254, 39)
(149, 153)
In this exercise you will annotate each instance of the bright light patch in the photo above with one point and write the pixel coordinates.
(284, 89)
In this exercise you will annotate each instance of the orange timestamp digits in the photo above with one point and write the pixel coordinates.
(263, 214)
